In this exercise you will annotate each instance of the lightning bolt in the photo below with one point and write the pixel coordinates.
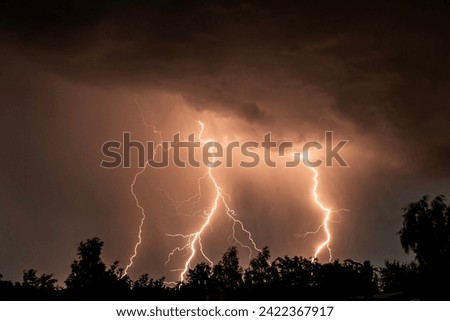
(194, 240)
(143, 216)
(136, 199)
(327, 214)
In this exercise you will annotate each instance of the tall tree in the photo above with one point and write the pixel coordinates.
(426, 232)
(200, 276)
(88, 271)
(227, 274)
(90, 276)
(258, 271)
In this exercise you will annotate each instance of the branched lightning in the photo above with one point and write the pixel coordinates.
(194, 240)
(193, 244)
(327, 218)
(136, 199)
(143, 216)
(327, 213)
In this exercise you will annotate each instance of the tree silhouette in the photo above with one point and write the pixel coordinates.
(7, 290)
(200, 276)
(368, 279)
(147, 288)
(45, 282)
(258, 272)
(344, 280)
(227, 273)
(397, 277)
(89, 274)
(198, 282)
(34, 286)
(88, 271)
(426, 232)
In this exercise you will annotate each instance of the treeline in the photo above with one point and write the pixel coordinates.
(425, 232)
(284, 278)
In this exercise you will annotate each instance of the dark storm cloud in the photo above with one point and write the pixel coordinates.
(383, 64)
(162, 45)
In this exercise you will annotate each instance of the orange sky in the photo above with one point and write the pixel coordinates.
(376, 75)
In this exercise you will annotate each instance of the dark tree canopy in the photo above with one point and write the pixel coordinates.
(258, 272)
(90, 276)
(396, 276)
(200, 276)
(227, 274)
(45, 282)
(88, 271)
(426, 231)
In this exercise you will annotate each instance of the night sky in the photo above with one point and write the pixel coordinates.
(376, 73)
